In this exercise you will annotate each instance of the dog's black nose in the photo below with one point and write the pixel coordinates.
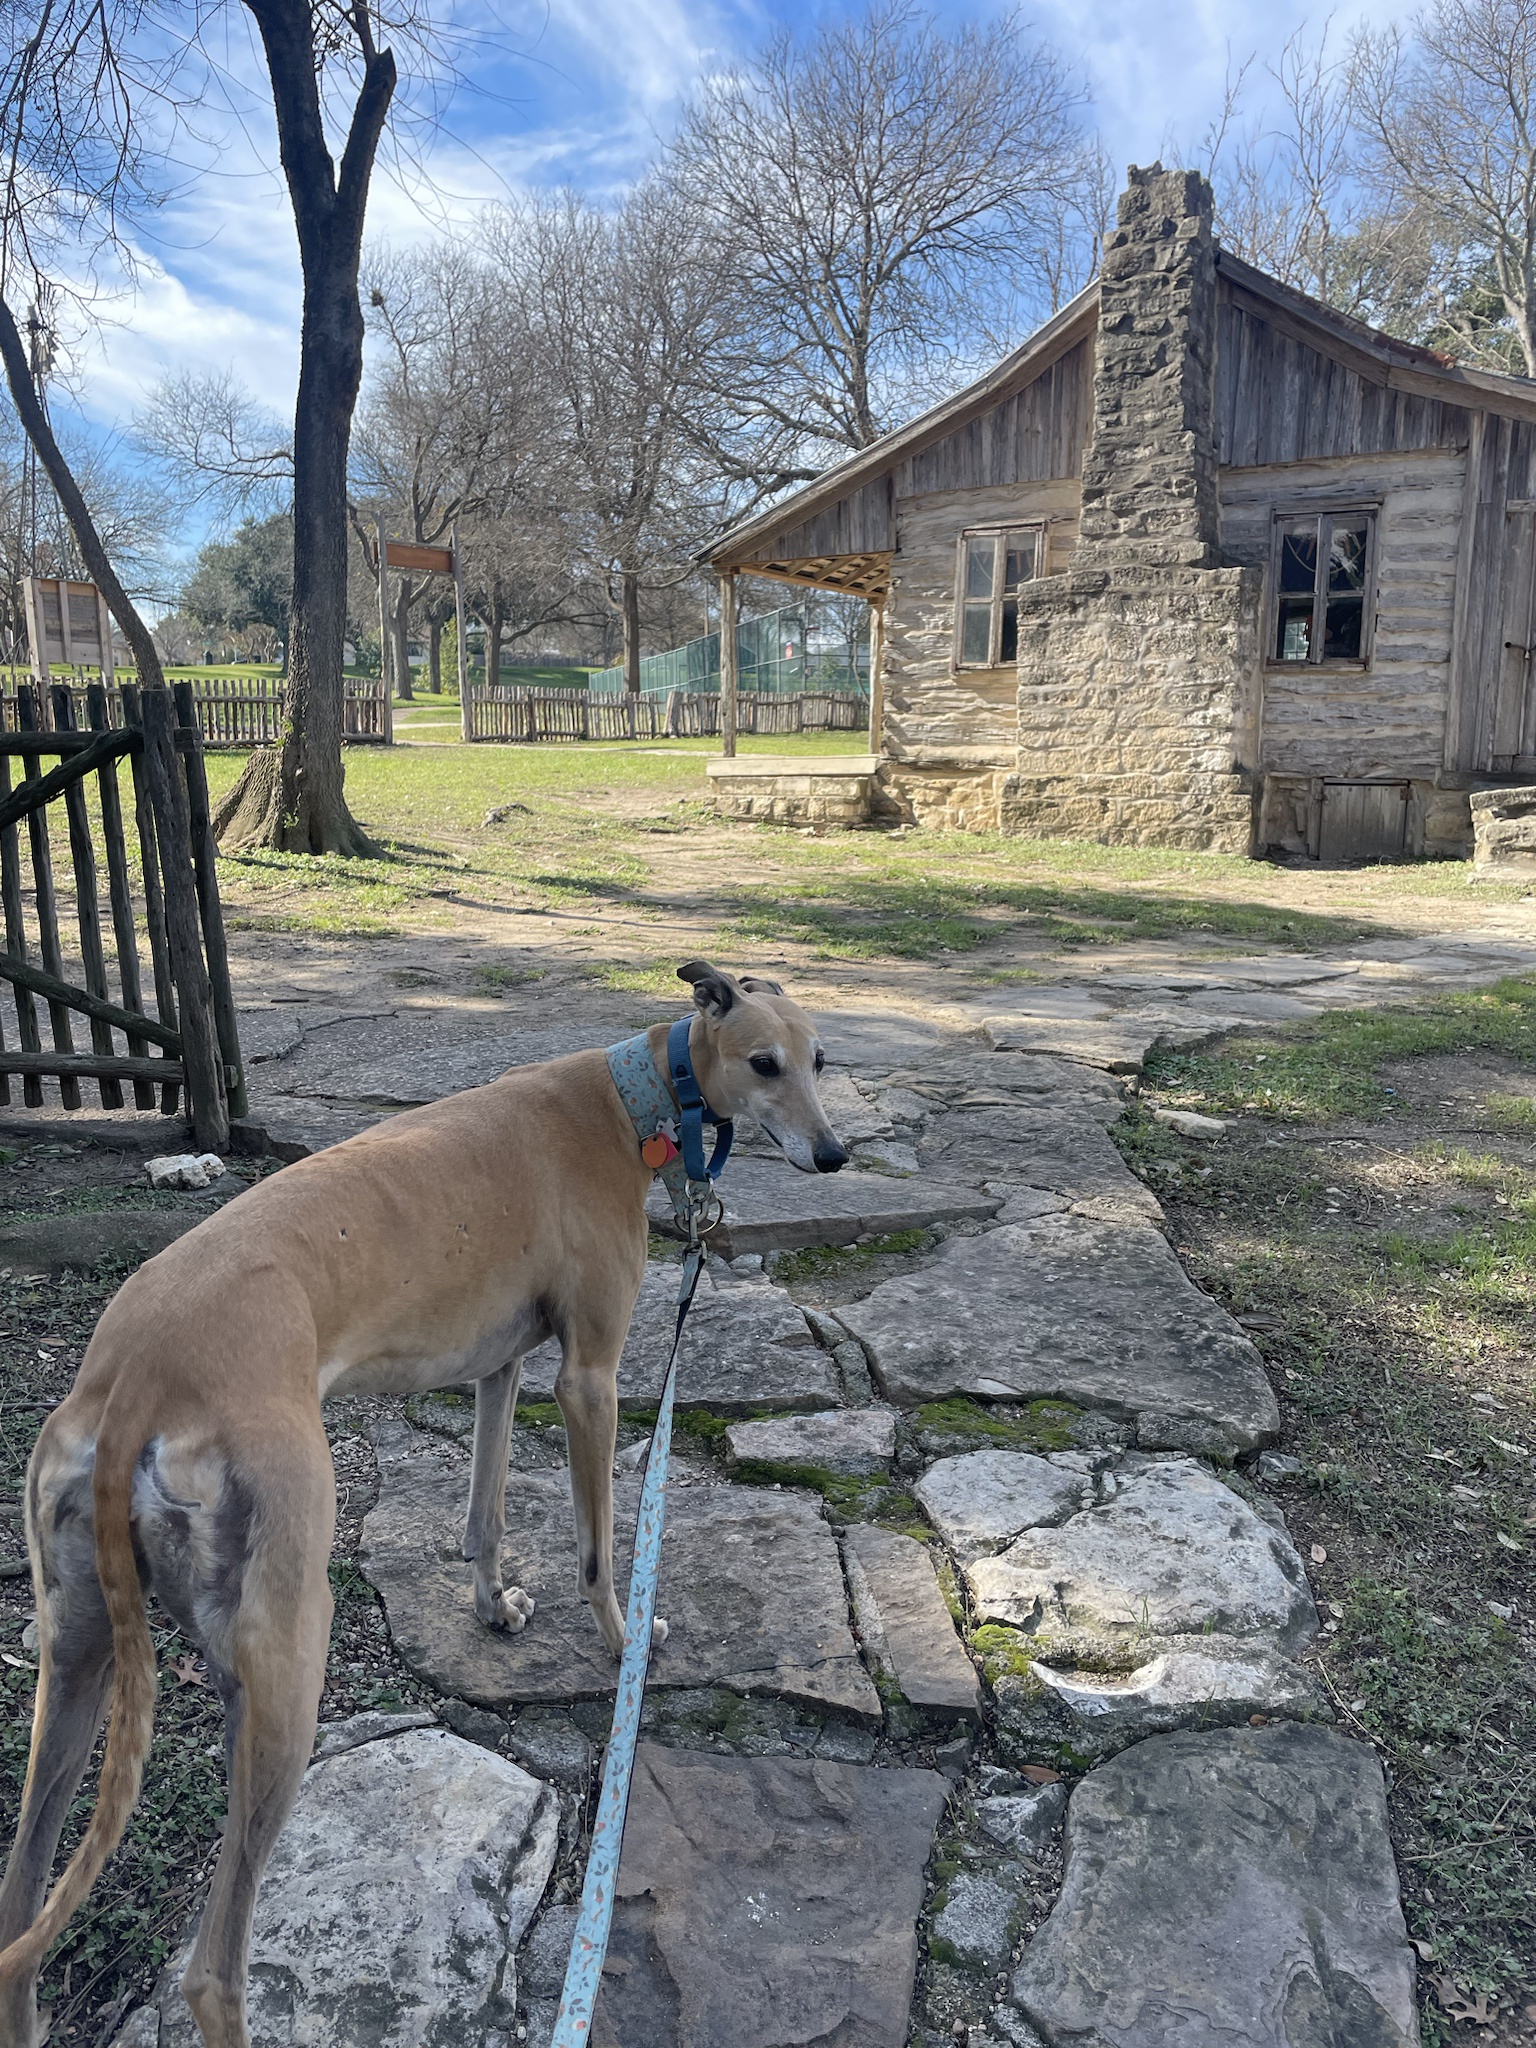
(829, 1156)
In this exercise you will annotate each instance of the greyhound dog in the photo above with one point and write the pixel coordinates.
(190, 1456)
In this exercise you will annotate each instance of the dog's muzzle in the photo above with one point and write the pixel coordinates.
(829, 1155)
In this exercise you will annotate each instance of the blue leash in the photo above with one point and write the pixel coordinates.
(642, 1091)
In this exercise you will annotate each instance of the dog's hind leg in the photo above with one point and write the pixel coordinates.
(74, 1672)
(267, 1658)
(495, 1406)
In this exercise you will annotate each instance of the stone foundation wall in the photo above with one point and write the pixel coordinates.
(1439, 823)
(941, 799)
(1504, 833)
(783, 797)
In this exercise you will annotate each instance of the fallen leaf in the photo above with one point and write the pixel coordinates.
(1425, 1950)
(1258, 1720)
(1508, 1542)
(1456, 2002)
(1319, 1555)
(1038, 1774)
(188, 1671)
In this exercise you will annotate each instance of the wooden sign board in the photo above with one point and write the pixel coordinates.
(67, 624)
(405, 554)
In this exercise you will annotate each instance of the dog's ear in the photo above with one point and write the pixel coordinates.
(713, 991)
(759, 985)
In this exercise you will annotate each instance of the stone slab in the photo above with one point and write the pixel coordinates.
(269, 1033)
(1168, 1550)
(1211, 1682)
(745, 1346)
(1023, 1821)
(767, 1904)
(1052, 1149)
(750, 1587)
(770, 1206)
(1243, 1006)
(1010, 1077)
(980, 1502)
(904, 1621)
(1093, 1312)
(1228, 1887)
(1119, 1045)
(400, 1062)
(396, 1897)
(856, 1442)
(77, 1241)
(874, 1043)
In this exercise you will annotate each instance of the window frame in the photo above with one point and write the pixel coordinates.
(1335, 511)
(1000, 531)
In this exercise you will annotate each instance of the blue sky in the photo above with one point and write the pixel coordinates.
(572, 91)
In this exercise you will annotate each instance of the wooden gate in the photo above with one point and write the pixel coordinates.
(1363, 821)
(55, 952)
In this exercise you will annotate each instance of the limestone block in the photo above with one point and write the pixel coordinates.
(907, 1629)
(980, 1502)
(1224, 1887)
(762, 1903)
(1093, 1312)
(396, 1897)
(1166, 1551)
(769, 1206)
(856, 1442)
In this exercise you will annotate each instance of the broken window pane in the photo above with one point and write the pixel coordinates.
(1298, 558)
(1020, 566)
(1008, 649)
(1343, 627)
(1293, 640)
(1324, 565)
(1346, 557)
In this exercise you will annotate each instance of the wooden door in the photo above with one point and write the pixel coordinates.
(1363, 821)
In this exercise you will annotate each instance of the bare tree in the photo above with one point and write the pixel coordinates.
(621, 308)
(871, 191)
(221, 445)
(1450, 112)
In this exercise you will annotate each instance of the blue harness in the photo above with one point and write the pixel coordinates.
(676, 1114)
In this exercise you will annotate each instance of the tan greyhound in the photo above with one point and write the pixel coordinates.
(190, 1456)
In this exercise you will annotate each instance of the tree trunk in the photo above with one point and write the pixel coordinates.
(308, 813)
(18, 375)
(493, 627)
(400, 628)
(629, 611)
(435, 655)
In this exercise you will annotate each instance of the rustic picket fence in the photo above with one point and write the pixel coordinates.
(502, 711)
(241, 711)
(160, 881)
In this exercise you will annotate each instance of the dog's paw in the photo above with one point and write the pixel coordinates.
(509, 1610)
(659, 1632)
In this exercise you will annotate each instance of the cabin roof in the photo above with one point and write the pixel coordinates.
(1382, 357)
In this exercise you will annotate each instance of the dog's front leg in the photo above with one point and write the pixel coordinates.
(495, 1407)
(589, 1401)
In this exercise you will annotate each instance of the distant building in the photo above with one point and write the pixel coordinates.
(1203, 564)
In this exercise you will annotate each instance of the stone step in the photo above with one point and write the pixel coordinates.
(751, 1589)
(745, 1346)
(1236, 1886)
(769, 1206)
(1047, 1148)
(760, 1904)
(905, 1625)
(1098, 1313)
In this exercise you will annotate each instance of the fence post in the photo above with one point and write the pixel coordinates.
(201, 1063)
(728, 663)
(383, 606)
(210, 909)
(466, 714)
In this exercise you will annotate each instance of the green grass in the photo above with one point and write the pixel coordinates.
(1314, 1072)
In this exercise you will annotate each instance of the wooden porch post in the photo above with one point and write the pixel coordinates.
(728, 663)
(383, 613)
(876, 672)
(466, 718)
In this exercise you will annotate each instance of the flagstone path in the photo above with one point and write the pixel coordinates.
(1004, 1516)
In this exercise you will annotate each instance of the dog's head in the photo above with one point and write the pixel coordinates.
(756, 1054)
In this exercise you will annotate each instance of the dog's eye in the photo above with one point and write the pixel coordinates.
(821, 1059)
(765, 1064)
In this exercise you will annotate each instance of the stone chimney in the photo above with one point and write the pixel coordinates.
(1139, 668)
(1149, 471)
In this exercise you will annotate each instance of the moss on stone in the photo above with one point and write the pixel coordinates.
(1043, 1425)
(1002, 1651)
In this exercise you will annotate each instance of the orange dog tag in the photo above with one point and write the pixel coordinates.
(657, 1150)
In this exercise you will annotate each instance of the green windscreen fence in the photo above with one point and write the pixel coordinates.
(801, 647)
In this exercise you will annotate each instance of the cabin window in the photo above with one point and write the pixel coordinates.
(1324, 569)
(993, 563)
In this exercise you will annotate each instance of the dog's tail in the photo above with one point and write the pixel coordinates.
(133, 1696)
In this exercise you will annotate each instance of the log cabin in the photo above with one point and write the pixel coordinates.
(1203, 564)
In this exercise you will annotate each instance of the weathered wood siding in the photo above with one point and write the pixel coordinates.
(1491, 723)
(1278, 399)
(1034, 434)
(1389, 718)
(937, 715)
